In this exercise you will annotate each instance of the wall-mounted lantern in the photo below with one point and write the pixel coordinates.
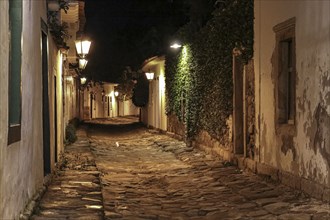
(82, 63)
(116, 93)
(176, 45)
(150, 75)
(82, 47)
(83, 80)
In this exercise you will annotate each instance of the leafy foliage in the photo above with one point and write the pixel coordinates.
(70, 131)
(141, 91)
(125, 88)
(64, 5)
(59, 31)
(199, 77)
(70, 134)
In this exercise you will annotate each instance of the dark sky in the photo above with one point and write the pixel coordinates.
(126, 32)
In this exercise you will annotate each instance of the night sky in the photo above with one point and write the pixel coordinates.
(126, 32)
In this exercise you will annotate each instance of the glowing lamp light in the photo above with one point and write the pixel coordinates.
(69, 79)
(150, 75)
(82, 63)
(176, 46)
(116, 93)
(82, 47)
(83, 80)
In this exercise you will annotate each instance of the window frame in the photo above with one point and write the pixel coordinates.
(285, 37)
(14, 127)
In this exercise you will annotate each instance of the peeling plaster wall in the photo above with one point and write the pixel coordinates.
(21, 163)
(306, 151)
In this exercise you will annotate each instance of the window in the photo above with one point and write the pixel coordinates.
(285, 72)
(14, 84)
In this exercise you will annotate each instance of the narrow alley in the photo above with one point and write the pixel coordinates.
(177, 109)
(146, 175)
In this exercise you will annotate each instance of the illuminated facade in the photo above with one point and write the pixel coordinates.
(153, 115)
(34, 94)
(291, 63)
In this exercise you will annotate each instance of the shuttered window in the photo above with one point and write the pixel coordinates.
(15, 57)
(286, 72)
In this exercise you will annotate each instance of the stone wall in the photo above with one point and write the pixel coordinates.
(175, 127)
(203, 140)
(222, 148)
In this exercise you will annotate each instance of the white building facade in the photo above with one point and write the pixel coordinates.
(153, 114)
(32, 116)
(292, 64)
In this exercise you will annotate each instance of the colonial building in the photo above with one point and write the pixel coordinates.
(292, 93)
(34, 82)
(153, 114)
(98, 100)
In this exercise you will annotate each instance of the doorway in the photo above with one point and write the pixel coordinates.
(91, 105)
(55, 117)
(45, 106)
(238, 122)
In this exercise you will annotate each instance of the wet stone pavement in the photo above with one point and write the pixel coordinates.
(146, 175)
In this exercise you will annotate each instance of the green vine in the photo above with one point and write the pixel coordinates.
(59, 30)
(199, 77)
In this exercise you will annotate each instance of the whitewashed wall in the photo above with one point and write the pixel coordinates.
(21, 163)
(154, 113)
(308, 155)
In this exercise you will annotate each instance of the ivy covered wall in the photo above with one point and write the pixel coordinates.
(199, 81)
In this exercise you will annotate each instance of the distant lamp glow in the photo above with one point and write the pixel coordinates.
(150, 75)
(83, 80)
(116, 93)
(82, 63)
(69, 79)
(176, 46)
(82, 47)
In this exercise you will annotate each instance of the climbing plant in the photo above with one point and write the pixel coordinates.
(199, 77)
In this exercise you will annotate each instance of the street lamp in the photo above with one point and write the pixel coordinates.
(116, 94)
(82, 47)
(176, 46)
(83, 80)
(82, 63)
(150, 75)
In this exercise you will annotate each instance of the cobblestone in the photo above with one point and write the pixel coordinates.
(75, 191)
(146, 175)
(133, 173)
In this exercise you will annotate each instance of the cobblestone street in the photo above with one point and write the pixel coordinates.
(146, 175)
